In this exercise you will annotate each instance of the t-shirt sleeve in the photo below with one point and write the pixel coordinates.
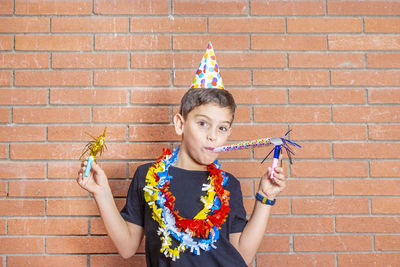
(237, 213)
(133, 211)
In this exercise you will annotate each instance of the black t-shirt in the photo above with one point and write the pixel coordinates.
(186, 187)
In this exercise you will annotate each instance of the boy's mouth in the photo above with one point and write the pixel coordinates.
(211, 149)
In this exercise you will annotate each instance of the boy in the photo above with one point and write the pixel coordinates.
(164, 198)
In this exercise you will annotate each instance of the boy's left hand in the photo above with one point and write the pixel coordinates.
(272, 187)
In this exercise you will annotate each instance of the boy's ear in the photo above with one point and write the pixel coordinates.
(179, 122)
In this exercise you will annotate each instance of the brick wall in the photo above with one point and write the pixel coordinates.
(327, 69)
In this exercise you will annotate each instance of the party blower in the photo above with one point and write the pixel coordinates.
(95, 146)
(278, 143)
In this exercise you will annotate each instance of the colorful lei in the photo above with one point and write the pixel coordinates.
(205, 224)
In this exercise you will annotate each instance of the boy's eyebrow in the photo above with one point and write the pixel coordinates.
(208, 118)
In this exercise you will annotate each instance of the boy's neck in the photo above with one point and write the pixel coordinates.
(185, 162)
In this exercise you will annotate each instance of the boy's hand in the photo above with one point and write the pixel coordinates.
(272, 187)
(96, 182)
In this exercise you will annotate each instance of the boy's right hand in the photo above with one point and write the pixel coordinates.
(96, 182)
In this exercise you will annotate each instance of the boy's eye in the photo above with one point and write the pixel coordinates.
(202, 123)
(223, 129)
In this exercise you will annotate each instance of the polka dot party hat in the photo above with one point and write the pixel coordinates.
(207, 75)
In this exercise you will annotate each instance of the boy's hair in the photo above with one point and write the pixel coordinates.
(195, 97)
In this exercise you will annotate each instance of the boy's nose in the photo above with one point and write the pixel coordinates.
(211, 136)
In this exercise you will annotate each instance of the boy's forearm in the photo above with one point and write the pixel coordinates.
(253, 233)
(117, 228)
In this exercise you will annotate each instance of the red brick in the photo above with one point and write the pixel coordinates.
(116, 260)
(119, 188)
(79, 133)
(241, 132)
(6, 8)
(259, 96)
(322, 25)
(385, 205)
(326, 60)
(230, 77)
(242, 114)
(383, 60)
(23, 97)
(3, 189)
(291, 114)
(131, 114)
(89, 244)
(296, 260)
(369, 7)
(53, 42)
(329, 169)
(45, 189)
(37, 7)
(251, 60)
(153, 60)
(382, 25)
(11, 245)
(363, 187)
(379, 96)
(14, 207)
(126, 7)
(88, 60)
(288, 42)
(330, 206)
(3, 150)
(366, 150)
(328, 132)
(332, 243)
(275, 243)
(300, 225)
(383, 132)
(387, 242)
(366, 114)
(367, 224)
(4, 115)
(24, 25)
(168, 24)
(150, 151)
(289, 8)
(22, 133)
(276, 25)
(199, 7)
(156, 96)
(97, 227)
(6, 42)
(46, 151)
(89, 24)
(385, 168)
(364, 42)
(132, 42)
(2, 227)
(153, 133)
(22, 170)
(88, 96)
(131, 78)
(5, 78)
(247, 187)
(52, 78)
(366, 259)
(220, 42)
(324, 96)
(50, 115)
(48, 260)
(70, 169)
(308, 187)
(48, 226)
(291, 77)
(66, 207)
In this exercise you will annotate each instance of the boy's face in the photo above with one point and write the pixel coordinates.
(206, 127)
